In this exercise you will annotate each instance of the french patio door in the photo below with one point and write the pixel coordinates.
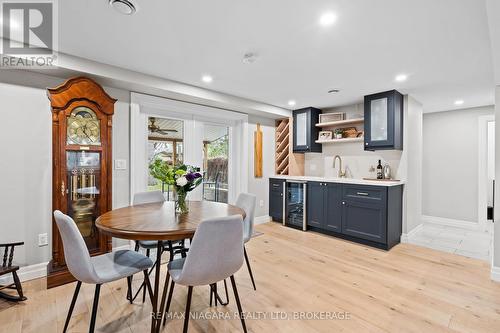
(214, 140)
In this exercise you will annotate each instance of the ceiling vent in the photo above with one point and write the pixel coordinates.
(125, 7)
(250, 58)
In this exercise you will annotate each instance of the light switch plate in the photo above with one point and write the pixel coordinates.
(261, 203)
(120, 164)
(43, 239)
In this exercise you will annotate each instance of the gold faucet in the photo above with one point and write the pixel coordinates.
(342, 173)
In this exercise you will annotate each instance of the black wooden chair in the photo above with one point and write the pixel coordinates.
(7, 268)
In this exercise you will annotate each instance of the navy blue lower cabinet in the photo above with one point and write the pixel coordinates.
(276, 199)
(372, 214)
(323, 206)
(315, 204)
(366, 220)
(366, 214)
(333, 212)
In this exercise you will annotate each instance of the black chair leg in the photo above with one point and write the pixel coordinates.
(129, 289)
(249, 268)
(240, 311)
(144, 290)
(72, 306)
(94, 308)
(148, 284)
(188, 309)
(169, 300)
(211, 293)
(215, 295)
(163, 297)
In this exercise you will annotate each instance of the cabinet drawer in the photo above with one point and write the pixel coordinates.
(365, 193)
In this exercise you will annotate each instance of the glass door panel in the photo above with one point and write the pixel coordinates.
(165, 141)
(83, 179)
(379, 119)
(301, 129)
(294, 204)
(215, 162)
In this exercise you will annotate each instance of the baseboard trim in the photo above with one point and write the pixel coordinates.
(27, 273)
(406, 237)
(37, 271)
(262, 219)
(495, 273)
(426, 219)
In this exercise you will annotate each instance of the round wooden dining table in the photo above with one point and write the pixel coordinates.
(160, 222)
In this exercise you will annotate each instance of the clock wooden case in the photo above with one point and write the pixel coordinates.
(81, 147)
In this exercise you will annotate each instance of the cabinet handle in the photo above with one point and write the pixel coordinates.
(362, 193)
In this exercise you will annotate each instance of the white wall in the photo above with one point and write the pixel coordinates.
(411, 163)
(26, 169)
(260, 186)
(450, 163)
(26, 163)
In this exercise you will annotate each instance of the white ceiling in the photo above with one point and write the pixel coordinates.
(442, 45)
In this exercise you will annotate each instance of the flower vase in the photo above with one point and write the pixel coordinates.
(181, 204)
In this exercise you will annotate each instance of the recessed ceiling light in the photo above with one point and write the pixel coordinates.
(207, 78)
(125, 7)
(401, 77)
(291, 103)
(459, 102)
(327, 19)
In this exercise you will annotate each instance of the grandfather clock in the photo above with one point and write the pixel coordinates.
(81, 153)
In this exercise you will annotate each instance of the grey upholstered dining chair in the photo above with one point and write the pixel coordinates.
(216, 253)
(246, 202)
(172, 247)
(98, 269)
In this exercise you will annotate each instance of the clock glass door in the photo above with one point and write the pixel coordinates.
(83, 174)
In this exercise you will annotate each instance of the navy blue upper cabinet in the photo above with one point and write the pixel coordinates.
(305, 132)
(384, 121)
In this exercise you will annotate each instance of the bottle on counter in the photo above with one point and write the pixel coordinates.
(380, 170)
(387, 171)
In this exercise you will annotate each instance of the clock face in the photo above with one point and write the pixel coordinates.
(83, 127)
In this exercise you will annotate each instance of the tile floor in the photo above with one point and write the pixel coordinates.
(468, 243)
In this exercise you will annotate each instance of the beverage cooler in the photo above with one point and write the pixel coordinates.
(294, 204)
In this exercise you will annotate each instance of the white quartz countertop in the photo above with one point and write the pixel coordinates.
(341, 180)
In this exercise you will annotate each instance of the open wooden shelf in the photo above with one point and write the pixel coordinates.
(341, 122)
(345, 140)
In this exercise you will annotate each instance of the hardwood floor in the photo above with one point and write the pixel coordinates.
(408, 289)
